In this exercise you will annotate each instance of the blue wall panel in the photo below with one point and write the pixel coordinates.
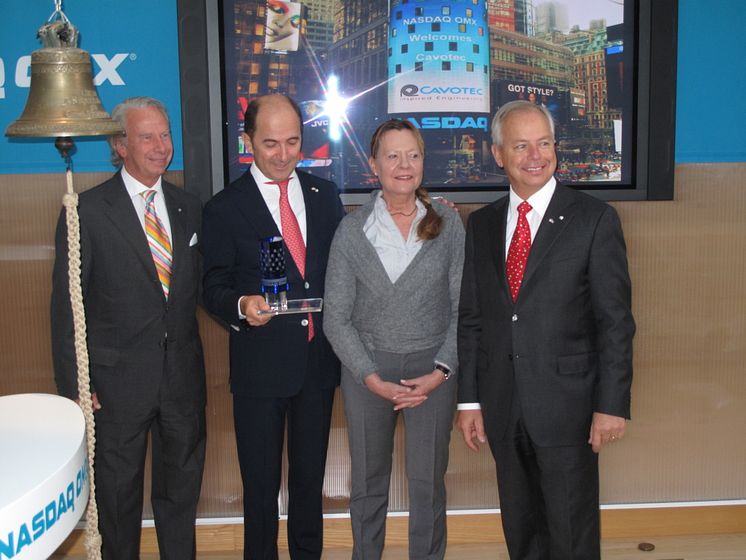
(711, 82)
(136, 44)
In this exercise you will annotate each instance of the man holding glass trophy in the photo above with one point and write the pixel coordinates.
(266, 241)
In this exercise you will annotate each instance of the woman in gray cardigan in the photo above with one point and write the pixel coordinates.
(391, 307)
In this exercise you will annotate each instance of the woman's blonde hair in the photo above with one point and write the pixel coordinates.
(432, 224)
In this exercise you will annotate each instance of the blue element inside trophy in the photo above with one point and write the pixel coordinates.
(275, 285)
(274, 276)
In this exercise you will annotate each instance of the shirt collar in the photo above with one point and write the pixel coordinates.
(380, 222)
(539, 201)
(261, 179)
(135, 187)
(381, 208)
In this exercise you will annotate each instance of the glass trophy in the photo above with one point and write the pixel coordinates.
(275, 285)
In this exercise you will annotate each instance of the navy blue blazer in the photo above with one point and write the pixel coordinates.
(271, 360)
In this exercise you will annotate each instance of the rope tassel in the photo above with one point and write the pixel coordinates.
(70, 201)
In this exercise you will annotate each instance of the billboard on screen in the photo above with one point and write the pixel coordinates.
(538, 94)
(282, 30)
(438, 57)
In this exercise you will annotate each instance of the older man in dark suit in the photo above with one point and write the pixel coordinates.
(140, 277)
(282, 368)
(545, 343)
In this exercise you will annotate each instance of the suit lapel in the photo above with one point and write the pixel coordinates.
(177, 218)
(558, 215)
(496, 233)
(314, 215)
(122, 214)
(254, 209)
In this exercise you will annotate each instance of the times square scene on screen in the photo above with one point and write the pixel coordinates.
(445, 65)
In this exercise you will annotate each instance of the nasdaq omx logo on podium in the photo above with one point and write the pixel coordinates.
(43, 468)
(36, 527)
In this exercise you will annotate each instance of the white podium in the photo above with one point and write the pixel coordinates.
(43, 474)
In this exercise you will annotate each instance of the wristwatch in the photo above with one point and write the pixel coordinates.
(446, 372)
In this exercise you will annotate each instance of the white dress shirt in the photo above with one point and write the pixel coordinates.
(271, 195)
(539, 202)
(394, 251)
(134, 190)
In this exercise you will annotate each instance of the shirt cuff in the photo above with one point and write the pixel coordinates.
(240, 315)
(445, 365)
(469, 406)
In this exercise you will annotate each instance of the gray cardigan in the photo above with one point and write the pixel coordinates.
(364, 311)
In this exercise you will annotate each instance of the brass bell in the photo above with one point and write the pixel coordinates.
(62, 100)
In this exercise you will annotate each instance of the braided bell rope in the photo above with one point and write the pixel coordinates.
(70, 201)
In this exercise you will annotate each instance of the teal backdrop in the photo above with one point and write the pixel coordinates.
(134, 46)
(711, 82)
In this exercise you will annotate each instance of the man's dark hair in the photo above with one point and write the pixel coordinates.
(249, 117)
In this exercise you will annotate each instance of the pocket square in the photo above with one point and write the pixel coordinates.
(193, 240)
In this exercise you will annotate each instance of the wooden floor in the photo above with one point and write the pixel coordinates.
(692, 547)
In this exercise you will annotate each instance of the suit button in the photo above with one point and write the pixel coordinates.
(510, 357)
(306, 285)
(304, 322)
(514, 318)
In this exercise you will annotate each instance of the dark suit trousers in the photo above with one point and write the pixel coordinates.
(548, 497)
(260, 428)
(178, 457)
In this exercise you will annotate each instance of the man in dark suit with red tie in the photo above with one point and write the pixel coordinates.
(282, 369)
(140, 274)
(545, 343)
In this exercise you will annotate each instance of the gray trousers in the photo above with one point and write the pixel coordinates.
(371, 422)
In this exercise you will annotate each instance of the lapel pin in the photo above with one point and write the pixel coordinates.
(178, 209)
(551, 220)
(314, 189)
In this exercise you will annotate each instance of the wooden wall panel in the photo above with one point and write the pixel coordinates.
(29, 206)
(685, 443)
(687, 260)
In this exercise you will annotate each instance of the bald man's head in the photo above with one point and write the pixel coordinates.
(273, 133)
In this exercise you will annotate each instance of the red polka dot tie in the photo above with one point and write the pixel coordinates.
(520, 247)
(293, 237)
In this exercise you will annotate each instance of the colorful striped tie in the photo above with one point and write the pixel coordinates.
(160, 245)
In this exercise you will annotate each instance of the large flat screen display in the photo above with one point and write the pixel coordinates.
(447, 66)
